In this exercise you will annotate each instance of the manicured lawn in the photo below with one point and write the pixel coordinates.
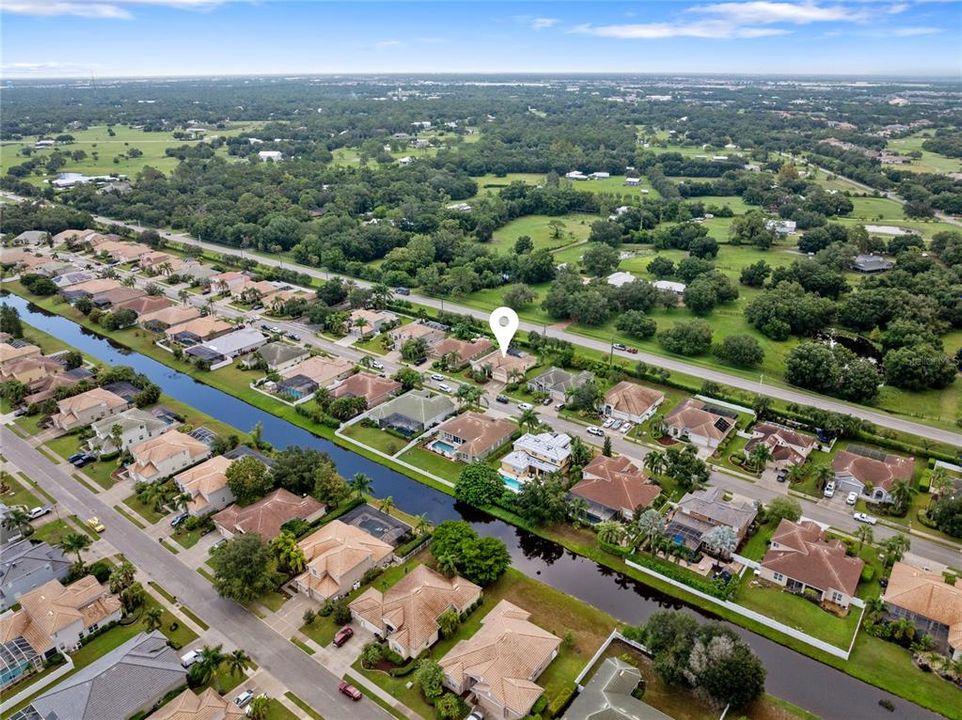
(53, 532)
(276, 711)
(375, 438)
(100, 472)
(576, 227)
(273, 600)
(433, 463)
(145, 511)
(30, 423)
(374, 344)
(930, 162)
(18, 495)
(799, 613)
(187, 538)
(180, 636)
(757, 544)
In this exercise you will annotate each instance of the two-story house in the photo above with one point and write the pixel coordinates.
(87, 407)
(160, 457)
(207, 486)
(337, 556)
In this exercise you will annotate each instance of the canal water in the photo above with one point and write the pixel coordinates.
(812, 685)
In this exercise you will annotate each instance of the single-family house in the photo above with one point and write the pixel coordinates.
(701, 510)
(87, 407)
(933, 605)
(10, 354)
(632, 402)
(872, 264)
(73, 277)
(160, 262)
(279, 356)
(413, 413)
(231, 282)
(614, 488)
(199, 330)
(88, 289)
(31, 237)
(871, 472)
(31, 369)
(781, 227)
(206, 484)
(115, 296)
(675, 288)
(162, 456)
(47, 387)
(788, 447)
(508, 368)
(458, 353)
(804, 562)
(124, 682)
(125, 252)
(238, 342)
(498, 665)
(617, 279)
(144, 305)
(534, 455)
(72, 237)
(610, 695)
(25, 565)
(266, 516)
(295, 388)
(252, 291)
(134, 426)
(323, 371)
(363, 322)
(407, 613)
(431, 333)
(374, 389)
(207, 705)
(699, 423)
(160, 320)
(557, 383)
(270, 155)
(472, 437)
(337, 555)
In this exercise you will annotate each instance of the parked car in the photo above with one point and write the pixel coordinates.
(291, 335)
(619, 346)
(475, 714)
(852, 498)
(377, 364)
(829, 489)
(244, 698)
(189, 658)
(525, 406)
(351, 691)
(616, 425)
(343, 635)
(95, 523)
(865, 518)
(178, 519)
(437, 378)
(444, 387)
(20, 412)
(39, 511)
(75, 457)
(626, 428)
(502, 399)
(402, 291)
(608, 423)
(597, 431)
(84, 459)
(546, 401)
(218, 545)
(560, 406)
(782, 475)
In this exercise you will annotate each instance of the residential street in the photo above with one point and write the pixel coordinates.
(272, 652)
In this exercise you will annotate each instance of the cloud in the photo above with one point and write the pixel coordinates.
(109, 9)
(707, 30)
(388, 44)
(762, 12)
(915, 31)
(42, 68)
(541, 23)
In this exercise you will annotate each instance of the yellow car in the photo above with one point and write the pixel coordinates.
(95, 523)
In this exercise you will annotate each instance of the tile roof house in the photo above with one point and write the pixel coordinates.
(135, 426)
(199, 330)
(164, 455)
(207, 705)
(460, 352)
(31, 237)
(25, 566)
(72, 236)
(700, 511)
(337, 556)
(500, 662)
(266, 516)
(535, 455)
(73, 278)
(207, 486)
(322, 370)
(228, 282)
(631, 402)
(124, 251)
(803, 561)
(614, 487)
(407, 613)
(429, 333)
(473, 436)
(698, 423)
(413, 413)
(10, 354)
(145, 305)
(934, 606)
(31, 369)
(165, 318)
(372, 388)
(238, 342)
(160, 262)
(126, 681)
(510, 368)
(871, 472)
(87, 407)
(787, 446)
(557, 383)
(608, 695)
(88, 289)
(365, 322)
(115, 296)
(278, 356)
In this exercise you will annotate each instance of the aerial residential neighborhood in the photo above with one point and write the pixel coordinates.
(572, 361)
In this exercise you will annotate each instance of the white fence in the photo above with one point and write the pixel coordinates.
(34, 688)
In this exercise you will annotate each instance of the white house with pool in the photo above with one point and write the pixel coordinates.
(535, 455)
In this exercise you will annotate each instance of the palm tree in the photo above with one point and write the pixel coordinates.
(529, 419)
(182, 295)
(122, 577)
(611, 532)
(116, 437)
(17, 518)
(722, 539)
(939, 482)
(288, 552)
(797, 473)
(655, 462)
(149, 494)
(864, 534)
(257, 433)
(469, 396)
(208, 662)
(361, 484)
(447, 565)
(76, 542)
(902, 492)
(759, 455)
(237, 662)
(421, 524)
(153, 618)
(386, 505)
(650, 524)
(823, 475)
(259, 708)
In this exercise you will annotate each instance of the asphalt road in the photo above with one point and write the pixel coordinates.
(306, 678)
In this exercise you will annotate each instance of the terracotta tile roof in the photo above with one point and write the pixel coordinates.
(927, 595)
(508, 363)
(149, 454)
(335, 549)
(322, 370)
(692, 416)
(118, 295)
(46, 388)
(616, 483)
(370, 316)
(877, 473)
(371, 387)
(9, 353)
(463, 349)
(503, 656)
(412, 606)
(28, 365)
(632, 398)
(172, 315)
(480, 433)
(202, 480)
(786, 445)
(803, 554)
(208, 705)
(92, 287)
(90, 399)
(202, 327)
(412, 330)
(146, 304)
(266, 516)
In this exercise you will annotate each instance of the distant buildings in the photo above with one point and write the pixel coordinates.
(781, 227)
(872, 264)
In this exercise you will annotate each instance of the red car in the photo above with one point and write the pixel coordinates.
(351, 691)
(343, 635)
(633, 350)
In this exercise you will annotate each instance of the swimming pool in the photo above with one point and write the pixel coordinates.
(511, 483)
(442, 448)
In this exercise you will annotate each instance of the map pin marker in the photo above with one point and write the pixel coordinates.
(504, 324)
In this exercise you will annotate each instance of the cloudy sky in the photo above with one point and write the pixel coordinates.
(104, 38)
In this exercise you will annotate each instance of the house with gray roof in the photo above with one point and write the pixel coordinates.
(700, 511)
(31, 237)
(557, 383)
(135, 426)
(26, 565)
(872, 264)
(126, 681)
(280, 356)
(608, 696)
(413, 413)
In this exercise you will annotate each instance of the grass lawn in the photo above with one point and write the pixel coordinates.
(30, 423)
(757, 544)
(799, 613)
(373, 344)
(145, 511)
(180, 636)
(18, 494)
(53, 532)
(930, 162)
(493, 184)
(276, 711)
(433, 463)
(375, 438)
(576, 227)
(187, 538)
(274, 600)
(100, 472)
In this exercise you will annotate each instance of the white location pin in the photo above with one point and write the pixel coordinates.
(504, 324)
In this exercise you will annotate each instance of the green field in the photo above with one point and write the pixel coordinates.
(576, 228)
(492, 184)
(930, 162)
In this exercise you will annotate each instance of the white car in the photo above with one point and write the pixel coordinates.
(608, 423)
(444, 387)
(852, 498)
(377, 364)
(190, 658)
(437, 378)
(865, 518)
(597, 431)
(39, 511)
(244, 698)
(525, 406)
(829, 489)
(626, 427)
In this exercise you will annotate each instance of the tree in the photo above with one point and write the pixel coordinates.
(893, 549)
(723, 666)
(606, 447)
(153, 618)
(288, 553)
(448, 622)
(469, 396)
(823, 475)
(655, 462)
(812, 366)
(76, 543)
(687, 338)
(295, 466)
(329, 487)
(132, 597)
(448, 707)
(584, 397)
(480, 560)
(429, 676)
(408, 378)
(414, 350)
(523, 245)
(636, 324)
(783, 508)
(661, 267)
(517, 296)
(360, 484)
(248, 479)
(864, 534)
(902, 492)
(700, 295)
(610, 532)
(17, 518)
(919, 368)
(741, 351)
(10, 321)
(122, 577)
(721, 539)
(759, 455)
(244, 568)
(479, 484)
(237, 662)
(756, 274)
(529, 420)
(600, 259)
(751, 229)
(557, 228)
(947, 515)
(260, 708)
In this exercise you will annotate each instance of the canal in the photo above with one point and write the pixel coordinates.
(808, 683)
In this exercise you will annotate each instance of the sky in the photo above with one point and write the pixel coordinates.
(134, 38)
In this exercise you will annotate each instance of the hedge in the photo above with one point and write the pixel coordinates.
(676, 572)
